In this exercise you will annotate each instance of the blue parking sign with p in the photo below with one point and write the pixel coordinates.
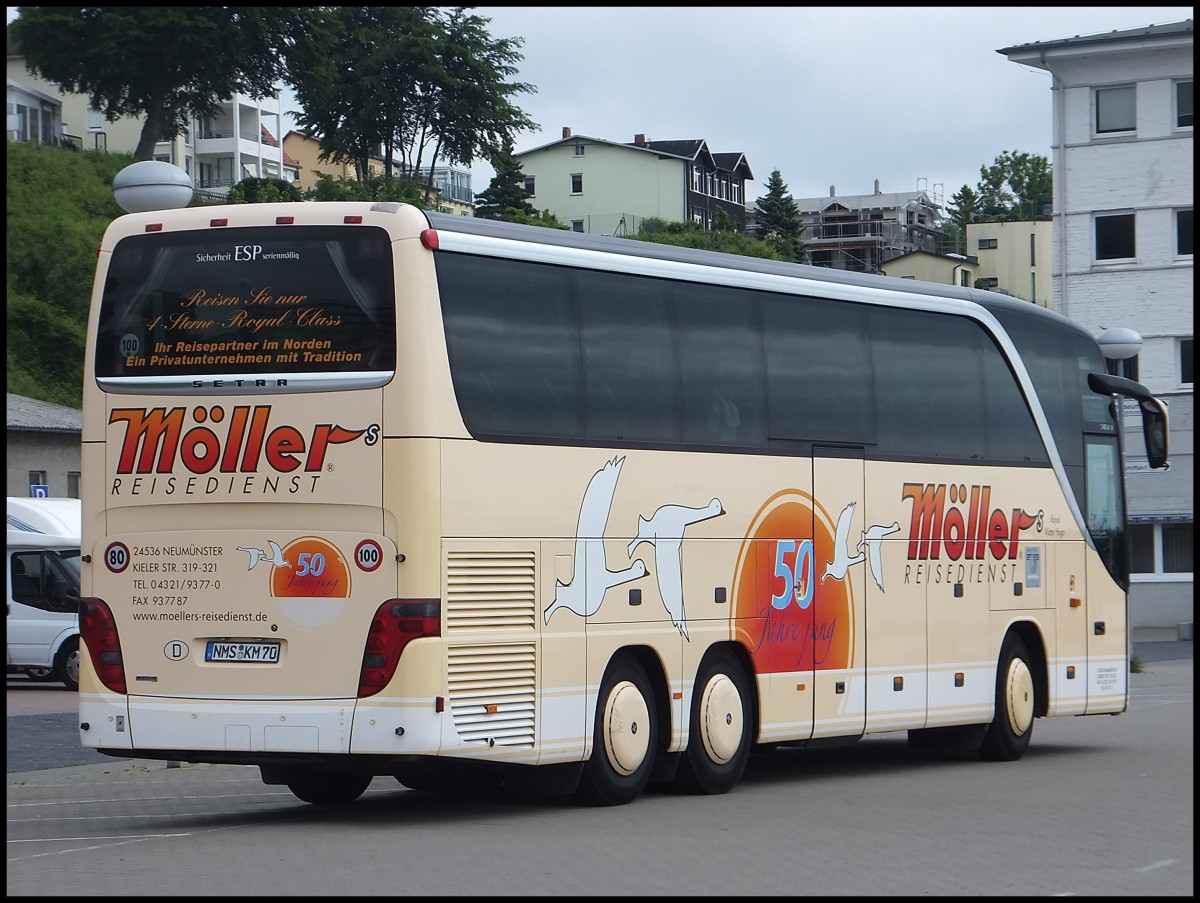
(39, 491)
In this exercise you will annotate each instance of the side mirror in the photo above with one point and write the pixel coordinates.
(1155, 421)
(1154, 429)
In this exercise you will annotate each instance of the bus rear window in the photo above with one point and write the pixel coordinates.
(300, 306)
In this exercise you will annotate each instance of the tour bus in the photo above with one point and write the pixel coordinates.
(374, 491)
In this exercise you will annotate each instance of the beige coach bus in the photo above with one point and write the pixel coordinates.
(371, 491)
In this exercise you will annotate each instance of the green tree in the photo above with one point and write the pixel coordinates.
(60, 201)
(545, 219)
(692, 235)
(506, 192)
(468, 109)
(161, 62)
(1016, 186)
(412, 85)
(963, 208)
(253, 190)
(355, 77)
(779, 221)
(722, 220)
(375, 187)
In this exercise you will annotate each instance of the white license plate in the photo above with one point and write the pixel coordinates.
(220, 651)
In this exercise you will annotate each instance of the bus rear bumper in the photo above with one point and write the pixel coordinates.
(218, 726)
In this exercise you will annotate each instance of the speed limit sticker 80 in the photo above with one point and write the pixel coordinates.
(116, 556)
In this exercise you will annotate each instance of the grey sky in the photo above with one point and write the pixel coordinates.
(911, 96)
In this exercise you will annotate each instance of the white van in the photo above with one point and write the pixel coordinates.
(43, 588)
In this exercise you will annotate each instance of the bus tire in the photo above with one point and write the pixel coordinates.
(66, 664)
(721, 723)
(624, 739)
(328, 789)
(1008, 735)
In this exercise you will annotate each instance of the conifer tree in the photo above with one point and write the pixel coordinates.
(779, 221)
(506, 191)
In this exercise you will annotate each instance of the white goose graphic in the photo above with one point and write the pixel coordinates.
(256, 555)
(664, 530)
(841, 558)
(873, 540)
(592, 578)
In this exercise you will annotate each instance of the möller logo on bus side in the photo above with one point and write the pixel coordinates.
(242, 440)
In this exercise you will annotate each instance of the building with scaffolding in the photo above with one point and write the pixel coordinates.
(861, 232)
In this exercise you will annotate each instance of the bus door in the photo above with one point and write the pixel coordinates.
(897, 577)
(840, 596)
(1105, 607)
(961, 589)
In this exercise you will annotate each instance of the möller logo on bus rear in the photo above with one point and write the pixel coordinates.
(218, 446)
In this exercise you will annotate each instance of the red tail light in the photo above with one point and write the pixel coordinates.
(98, 629)
(395, 623)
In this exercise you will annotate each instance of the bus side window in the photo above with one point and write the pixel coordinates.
(721, 362)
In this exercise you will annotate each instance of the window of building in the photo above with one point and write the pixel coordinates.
(987, 282)
(36, 478)
(577, 225)
(73, 484)
(578, 150)
(1161, 548)
(529, 185)
(1116, 109)
(1185, 360)
(1115, 236)
(697, 179)
(1183, 104)
(986, 244)
(576, 183)
(1032, 251)
(1183, 232)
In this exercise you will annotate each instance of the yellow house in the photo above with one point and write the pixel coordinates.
(945, 269)
(453, 185)
(306, 150)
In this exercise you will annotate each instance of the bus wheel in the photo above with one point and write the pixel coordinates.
(719, 737)
(1008, 735)
(326, 789)
(66, 664)
(624, 740)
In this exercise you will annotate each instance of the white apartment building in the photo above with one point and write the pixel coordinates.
(243, 139)
(1121, 106)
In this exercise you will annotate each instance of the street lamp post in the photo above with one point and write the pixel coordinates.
(1118, 344)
